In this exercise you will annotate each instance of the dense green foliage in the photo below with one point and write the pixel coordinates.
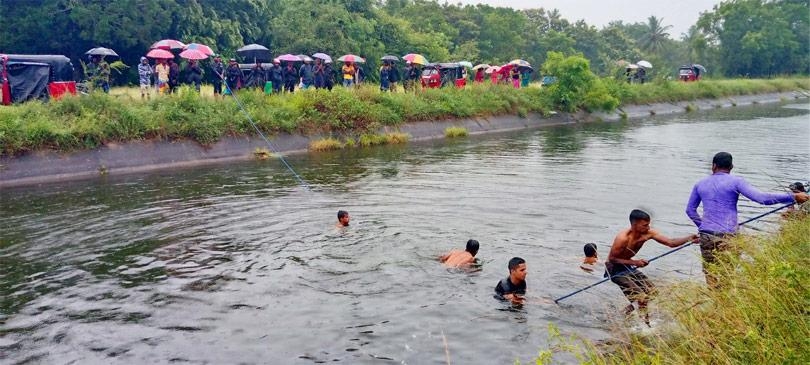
(739, 37)
(759, 316)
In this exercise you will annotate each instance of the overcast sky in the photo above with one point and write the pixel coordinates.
(681, 14)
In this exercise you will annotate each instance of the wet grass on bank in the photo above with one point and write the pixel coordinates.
(90, 121)
(760, 315)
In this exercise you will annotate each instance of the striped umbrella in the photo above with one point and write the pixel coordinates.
(193, 54)
(415, 58)
(168, 44)
(200, 47)
(351, 58)
(520, 63)
(159, 53)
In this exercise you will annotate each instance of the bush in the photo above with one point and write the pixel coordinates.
(453, 132)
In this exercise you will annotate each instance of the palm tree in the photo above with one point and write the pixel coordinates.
(656, 35)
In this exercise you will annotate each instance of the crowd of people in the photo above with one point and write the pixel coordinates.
(286, 76)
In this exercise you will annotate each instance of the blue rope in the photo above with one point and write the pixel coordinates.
(255, 127)
(662, 255)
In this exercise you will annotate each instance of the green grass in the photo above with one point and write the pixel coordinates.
(454, 132)
(90, 121)
(760, 316)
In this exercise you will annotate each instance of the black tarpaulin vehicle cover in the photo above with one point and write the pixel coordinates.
(28, 80)
(61, 67)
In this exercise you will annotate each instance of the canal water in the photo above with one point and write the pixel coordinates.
(237, 264)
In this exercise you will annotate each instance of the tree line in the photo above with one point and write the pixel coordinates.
(753, 38)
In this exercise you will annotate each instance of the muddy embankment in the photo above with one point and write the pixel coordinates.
(143, 156)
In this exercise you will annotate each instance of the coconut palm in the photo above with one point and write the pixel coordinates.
(656, 35)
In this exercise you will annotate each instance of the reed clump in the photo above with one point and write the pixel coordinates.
(455, 132)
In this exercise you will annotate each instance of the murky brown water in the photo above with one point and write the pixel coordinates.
(236, 264)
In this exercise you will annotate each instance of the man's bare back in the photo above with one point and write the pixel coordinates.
(457, 258)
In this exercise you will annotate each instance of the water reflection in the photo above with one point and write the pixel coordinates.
(158, 268)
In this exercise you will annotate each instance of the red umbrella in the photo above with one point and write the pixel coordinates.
(200, 47)
(351, 58)
(168, 44)
(193, 54)
(159, 53)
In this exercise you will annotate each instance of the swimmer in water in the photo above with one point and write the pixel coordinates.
(513, 287)
(459, 258)
(591, 259)
(343, 219)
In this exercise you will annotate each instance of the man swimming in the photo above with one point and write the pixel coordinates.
(513, 287)
(622, 268)
(590, 260)
(458, 258)
(343, 219)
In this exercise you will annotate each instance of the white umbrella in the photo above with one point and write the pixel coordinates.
(632, 66)
(644, 64)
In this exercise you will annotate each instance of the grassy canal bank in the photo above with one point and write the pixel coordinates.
(760, 317)
(86, 122)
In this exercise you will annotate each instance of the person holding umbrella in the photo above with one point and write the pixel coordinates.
(394, 76)
(348, 74)
(290, 77)
(385, 77)
(277, 76)
(174, 76)
(329, 75)
(145, 77)
(218, 76)
(525, 75)
(194, 73)
(233, 77)
(320, 74)
(307, 74)
(257, 75)
(162, 71)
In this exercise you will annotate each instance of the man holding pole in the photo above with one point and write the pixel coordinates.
(719, 193)
(621, 267)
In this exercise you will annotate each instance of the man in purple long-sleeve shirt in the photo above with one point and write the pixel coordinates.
(719, 193)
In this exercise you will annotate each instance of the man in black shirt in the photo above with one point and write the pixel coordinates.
(513, 288)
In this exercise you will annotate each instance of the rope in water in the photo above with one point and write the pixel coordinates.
(662, 255)
(255, 127)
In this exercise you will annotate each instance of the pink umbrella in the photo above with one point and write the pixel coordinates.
(351, 58)
(200, 47)
(193, 54)
(159, 53)
(168, 44)
(289, 58)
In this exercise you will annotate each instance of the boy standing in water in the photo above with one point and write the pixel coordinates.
(623, 269)
(343, 219)
(513, 287)
(458, 258)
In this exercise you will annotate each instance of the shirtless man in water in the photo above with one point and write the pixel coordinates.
(458, 258)
(623, 269)
(343, 219)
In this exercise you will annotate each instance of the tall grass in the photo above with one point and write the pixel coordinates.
(759, 316)
(90, 121)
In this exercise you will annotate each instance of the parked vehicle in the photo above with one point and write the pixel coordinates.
(692, 72)
(32, 77)
(437, 75)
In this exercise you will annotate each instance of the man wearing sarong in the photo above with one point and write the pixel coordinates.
(623, 269)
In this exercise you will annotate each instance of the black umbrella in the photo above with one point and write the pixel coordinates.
(101, 51)
(390, 58)
(255, 52)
